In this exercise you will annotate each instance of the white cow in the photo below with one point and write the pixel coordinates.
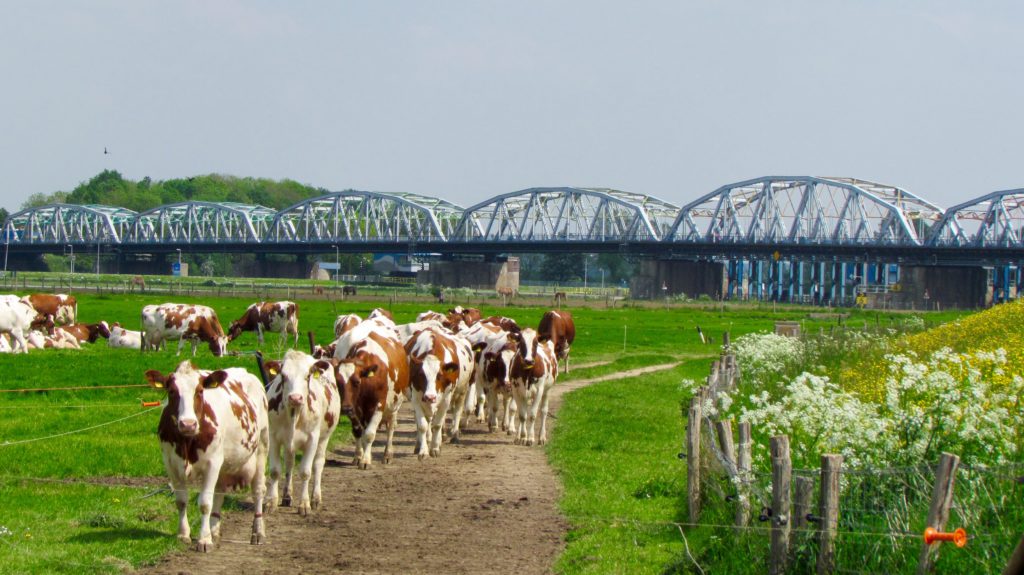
(16, 320)
(304, 410)
(59, 340)
(533, 375)
(213, 432)
(495, 376)
(124, 338)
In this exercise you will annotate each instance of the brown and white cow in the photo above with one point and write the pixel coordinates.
(373, 377)
(274, 316)
(533, 375)
(175, 321)
(558, 328)
(87, 332)
(213, 432)
(495, 377)
(304, 410)
(53, 308)
(440, 368)
(478, 336)
(59, 340)
(345, 323)
(468, 315)
(432, 315)
(379, 312)
(505, 323)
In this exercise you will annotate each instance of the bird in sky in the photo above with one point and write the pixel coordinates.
(105, 150)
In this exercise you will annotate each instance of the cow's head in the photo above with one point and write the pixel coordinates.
(211, 332)
(234, 330)
(352, 375)
(526, 347)
(298, 372)
(185, 388)
(429, 376)
(498, 360)
(103, 329)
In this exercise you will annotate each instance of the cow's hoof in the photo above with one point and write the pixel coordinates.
(315, 504)
(455, 439)
(387, 458)
(185, 539)
(204, 546)
(303, 509)
(435, 452)
(363, 464)
(270, 507)
(542, 441)
(529, 443)
(258, 539)
(516, 441)
(421, 455)
(286, 501)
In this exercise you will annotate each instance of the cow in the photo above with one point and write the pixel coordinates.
(505, 323)
(60, 340)
(432, 315)
(124, 338)
(213, 432)
(305, 407)
(345, 323)
(558, 328)
(172, 321)
(440, 367)
(276, 316)
(407, 330)
(16, 319)
(532, 380)
(381, 313)
(468, 315)
(87, 332)
(348, 290)
(478, 336)
(53, 308)
(373, 378)
(560, 299)
(495, 377)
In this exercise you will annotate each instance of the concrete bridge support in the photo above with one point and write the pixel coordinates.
(662, 278)
(942, 287)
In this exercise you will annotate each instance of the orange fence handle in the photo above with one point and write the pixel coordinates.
(958, 537)
(150, 403)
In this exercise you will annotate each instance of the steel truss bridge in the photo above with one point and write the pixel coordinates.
(797, 218)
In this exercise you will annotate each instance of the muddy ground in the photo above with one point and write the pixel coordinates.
(484, 506)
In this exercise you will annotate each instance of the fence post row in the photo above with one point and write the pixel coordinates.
(938, 514)
(743, 469)
(829, 512)
(782, 469)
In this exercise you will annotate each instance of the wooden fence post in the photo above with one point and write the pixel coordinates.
(829, 514)
(693, 455)
(743, 467)
(938, 514)
(803, 494)
(782, 469)
(1015, 566)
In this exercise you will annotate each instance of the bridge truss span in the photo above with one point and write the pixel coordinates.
(354, 216)
(567, 214)
(994, 220)
(201, 223)
(58, 224)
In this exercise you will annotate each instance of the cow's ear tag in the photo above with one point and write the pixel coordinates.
(214, 380)
(156, 379)
(451, 368)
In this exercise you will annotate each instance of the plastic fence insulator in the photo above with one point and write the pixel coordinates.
(150, 403)
(812, 518)
(958, 537)
(766, 514)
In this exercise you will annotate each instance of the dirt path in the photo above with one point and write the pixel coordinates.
(484, 506)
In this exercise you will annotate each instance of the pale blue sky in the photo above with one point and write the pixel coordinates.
(465, 100)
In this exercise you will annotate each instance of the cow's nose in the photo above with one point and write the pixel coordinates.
(295, 399)
(188, 426)
(430, 397)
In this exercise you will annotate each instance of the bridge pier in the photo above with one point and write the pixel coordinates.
(942, 287)
(679, 277)
(477, 275)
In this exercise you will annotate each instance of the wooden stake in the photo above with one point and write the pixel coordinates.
(829, 512)
(938, 514)
(743, 466)
(693, 457)
(803, 494)
(782, 469)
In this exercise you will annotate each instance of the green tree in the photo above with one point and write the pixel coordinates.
(562, 267)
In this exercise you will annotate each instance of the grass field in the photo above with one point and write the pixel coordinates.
(84, 503)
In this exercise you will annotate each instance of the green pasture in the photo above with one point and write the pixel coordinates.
(85, 503)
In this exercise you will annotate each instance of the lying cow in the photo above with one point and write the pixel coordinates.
(275, 316)
(87, 332)
(213, 432)
(124, 338)
(175, 321)
(304, 410)
(59, 340)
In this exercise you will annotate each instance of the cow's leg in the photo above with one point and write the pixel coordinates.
(422, 427)
(542, 435)
(492, 409)
(259, 335)
(259, 485)
(289, 463)
(309, 452)
(205, 542)
(218, 502)
(181, 344)
(275, 474)
(19, 340)
(437, 424)
(481, 404)
(539, 395)
(392, 421)
(195, 345)
(458, 401)
(566, 361)
(181, 502)
(318, 469)
(366, 457)
(519, 396)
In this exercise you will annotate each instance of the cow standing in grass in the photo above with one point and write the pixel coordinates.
(304, 410)
(16, 319)
(273, 316)
(558, 328)
(175, 321)
(213, 432)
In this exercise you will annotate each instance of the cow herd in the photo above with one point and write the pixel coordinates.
(219, 429)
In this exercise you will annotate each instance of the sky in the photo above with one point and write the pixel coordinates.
(467, 100)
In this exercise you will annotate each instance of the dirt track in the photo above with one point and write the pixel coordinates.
(484, 506)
